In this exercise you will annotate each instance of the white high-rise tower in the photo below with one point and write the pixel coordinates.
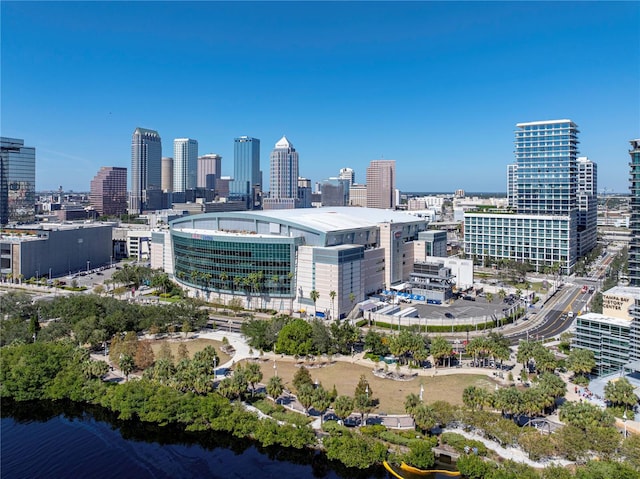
(185, 164)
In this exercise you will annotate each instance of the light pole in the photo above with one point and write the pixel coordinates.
(624, 421)
(421, 391)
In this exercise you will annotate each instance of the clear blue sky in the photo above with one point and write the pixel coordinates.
(438, 87)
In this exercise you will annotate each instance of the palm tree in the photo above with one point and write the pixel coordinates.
(343, 407)
(581, 361)
(314, 295)
(332, 295)
(253, 374)
(126, 365)
(275, 387)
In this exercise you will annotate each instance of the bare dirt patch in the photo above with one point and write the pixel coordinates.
(391, 394)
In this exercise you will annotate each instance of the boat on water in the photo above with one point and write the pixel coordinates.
(405, 471)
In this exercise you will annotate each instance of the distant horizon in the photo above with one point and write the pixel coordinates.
(437, 86)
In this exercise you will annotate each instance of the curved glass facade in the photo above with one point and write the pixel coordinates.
(231, 264)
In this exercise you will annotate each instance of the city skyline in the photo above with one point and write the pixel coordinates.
(430, 85)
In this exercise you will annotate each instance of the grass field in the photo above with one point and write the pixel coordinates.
(391, 394)
(193, 346)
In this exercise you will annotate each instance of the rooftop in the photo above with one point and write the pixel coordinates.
(601, 318)
(628, 291)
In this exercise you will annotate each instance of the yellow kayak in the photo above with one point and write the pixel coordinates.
(405, 471)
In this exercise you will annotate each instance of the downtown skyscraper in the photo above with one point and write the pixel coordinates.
(246, 167)
(634, 223)
(185, 164)
(108, 194)
(146, 176)
(17, 181)
(547, 228)
(381, 184)
(283, 176)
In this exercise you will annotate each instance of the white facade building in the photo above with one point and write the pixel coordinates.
(185, 164)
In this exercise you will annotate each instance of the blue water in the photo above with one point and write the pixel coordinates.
(77, 445)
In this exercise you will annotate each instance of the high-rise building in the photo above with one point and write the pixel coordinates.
(347, 174)
(543, 186)
(587, 203)
(17, 181)
(634, 224)
(335, 192)
(209, 170)
(546, 173)
(185, 164)
(381, 184)
(167, 174)
(246, 167)
(146, 171)
(108, 193)
(283, 191)
(358, 195)
(512, 185)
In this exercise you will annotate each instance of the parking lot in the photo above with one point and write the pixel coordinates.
(464, 308)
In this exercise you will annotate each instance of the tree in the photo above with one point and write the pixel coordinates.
(440, 349)
(165, 352)
(421, 453)
(363, 402)
(314, 295)
(305, 396)
(411, 402)
(301, 378)
(321, 401)
(295, 338)
(144, 357)
(620, 393)
(424, 417)
(332, 295)
(253, 374)
(126, 365)
(343, 407)
(581, 361)
(183, 352)
(275, 387)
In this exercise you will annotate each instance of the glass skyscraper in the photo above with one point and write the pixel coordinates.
(17, 181)
(634, 224)
(146, 171)
(546, 172)
(185, 164)
(246, 167)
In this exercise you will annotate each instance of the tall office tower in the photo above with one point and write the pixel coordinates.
(185, 164)
(17, 181)
(146, 174)
(587, 202)
(246, 167)
(209, 170)
(381, 184)
(284, 171)
(347, 174)
(167, 174)
(109, 191)
(543, 231)
(634, 224)
(512, 185)
(546, 176)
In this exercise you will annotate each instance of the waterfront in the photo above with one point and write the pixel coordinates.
(60, 441)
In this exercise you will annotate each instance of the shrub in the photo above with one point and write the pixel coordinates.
(459, 442)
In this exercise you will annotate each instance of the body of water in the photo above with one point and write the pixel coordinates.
(45, 440)
(66, 440)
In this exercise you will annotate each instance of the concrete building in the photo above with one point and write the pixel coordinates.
(283, 184)
(108, 194)
(166, 174)
(17, 181)
(185, 164)
(347, 174)
(276, 258)
(54, 250)
(381, 184)
(587, 202)
(634, 223)
(434, 241)
(433, 280)
(209, 170)
(358, 195)
(146, 171)
(544, 229)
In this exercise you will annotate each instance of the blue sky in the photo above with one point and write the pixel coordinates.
(437, 86)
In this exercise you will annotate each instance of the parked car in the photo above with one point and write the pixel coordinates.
(468, 298)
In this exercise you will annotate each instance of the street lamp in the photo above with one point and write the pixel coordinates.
(421, 391)
(624, 421)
